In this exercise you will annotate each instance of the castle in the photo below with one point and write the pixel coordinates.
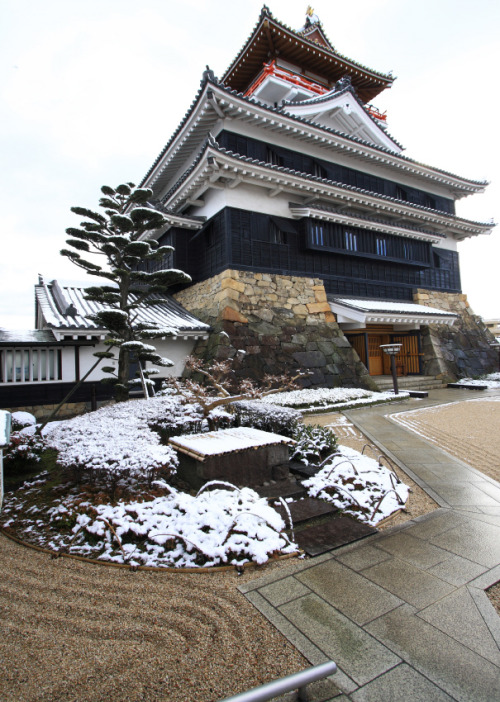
(310, 237)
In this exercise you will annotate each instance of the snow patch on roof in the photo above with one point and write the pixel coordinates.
(390, 306)
(226, 441)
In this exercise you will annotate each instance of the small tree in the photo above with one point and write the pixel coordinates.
(220, 388)
(122, 236)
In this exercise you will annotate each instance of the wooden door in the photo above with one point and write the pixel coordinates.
(375, 354)
(409, 356)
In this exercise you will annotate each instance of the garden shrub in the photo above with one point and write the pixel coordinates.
(313, 444)
(116, 442)
(266, 416)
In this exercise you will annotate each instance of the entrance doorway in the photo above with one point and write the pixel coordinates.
(367, 344)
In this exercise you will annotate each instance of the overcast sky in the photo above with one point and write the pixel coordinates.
(91, 90)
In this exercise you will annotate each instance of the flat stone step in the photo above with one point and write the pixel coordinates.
(282, 488)
(464, 386)
(304, 510)
(301, 470)
(337, 532)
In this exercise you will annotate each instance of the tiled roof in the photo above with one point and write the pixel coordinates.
(388, 306)
(320, 207)
(64, 307)
(272, 22)
(37, 337)
(23, 337)
(281, 111)
(211, 143)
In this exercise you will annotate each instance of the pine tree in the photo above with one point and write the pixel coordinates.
(122, 235)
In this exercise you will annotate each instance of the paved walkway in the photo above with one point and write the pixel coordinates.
(403, 613)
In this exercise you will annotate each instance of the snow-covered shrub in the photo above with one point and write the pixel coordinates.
(184, 418)
(20, 420)
(266, 416)
(25, 449)
(313, 444)
(359, 486)
(216, 527)
(115, 441)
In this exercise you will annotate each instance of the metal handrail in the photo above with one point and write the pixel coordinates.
(292, 682)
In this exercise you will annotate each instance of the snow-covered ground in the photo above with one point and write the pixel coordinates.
(326, 399)
(359, 486)
(491, 381)
(220, 525)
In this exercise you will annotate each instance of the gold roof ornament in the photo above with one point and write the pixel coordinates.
(311, 18)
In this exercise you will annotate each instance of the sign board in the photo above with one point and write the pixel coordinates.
(5, 424)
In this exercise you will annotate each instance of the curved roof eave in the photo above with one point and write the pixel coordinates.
(211, 144)
(207, 84)
(383, 80)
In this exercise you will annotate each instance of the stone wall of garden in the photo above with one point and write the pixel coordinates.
(41, 412)
(282, 323)
(462, 350)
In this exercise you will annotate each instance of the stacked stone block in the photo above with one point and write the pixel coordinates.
(282, 323)
(462, 350)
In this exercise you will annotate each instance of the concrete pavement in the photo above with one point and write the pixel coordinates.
(403, 613)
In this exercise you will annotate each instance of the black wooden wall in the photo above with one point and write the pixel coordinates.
(350, 261)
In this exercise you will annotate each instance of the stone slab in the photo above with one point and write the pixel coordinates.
(351, 593)
(457, 570)
(306, 644)
(411, 584)
(460, 672)
(477, 541)
(363, 557)
(284, 591)
(401, 684)
(412, 550)
(357, 653)
(317, 539)
(458, 616)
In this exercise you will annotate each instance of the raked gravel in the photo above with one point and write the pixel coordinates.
(87, 633)
(76, 631)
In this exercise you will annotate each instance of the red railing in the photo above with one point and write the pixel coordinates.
(271, 69)
(376, 113)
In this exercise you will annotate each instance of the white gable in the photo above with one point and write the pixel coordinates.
(342, 111)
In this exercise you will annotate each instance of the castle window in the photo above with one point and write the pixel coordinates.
(273, 157)
(381, 244)
(351, 241)
(276, 235)
(318, 170)
(401, 193)
(317, 235)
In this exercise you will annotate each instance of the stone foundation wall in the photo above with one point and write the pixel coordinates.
(41, 412)
(283, 323)
(462, 350)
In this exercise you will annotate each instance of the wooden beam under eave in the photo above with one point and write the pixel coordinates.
(269, 38)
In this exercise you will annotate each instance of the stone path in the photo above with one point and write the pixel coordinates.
(403, 613)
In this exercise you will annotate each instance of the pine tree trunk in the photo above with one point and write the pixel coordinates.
(121, 392)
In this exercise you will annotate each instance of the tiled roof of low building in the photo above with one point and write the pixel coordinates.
(63, 306)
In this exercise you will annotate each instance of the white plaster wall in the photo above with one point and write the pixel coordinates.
(175, 350)
(449, 243)
(245, 197)
(68, 364)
